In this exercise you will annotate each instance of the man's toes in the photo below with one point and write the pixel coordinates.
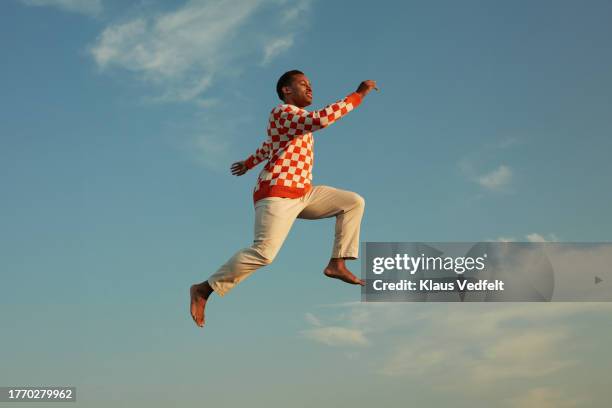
(350, 277)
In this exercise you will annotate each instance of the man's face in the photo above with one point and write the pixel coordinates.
(300, 91)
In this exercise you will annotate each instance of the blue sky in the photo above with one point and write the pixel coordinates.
(119, 121)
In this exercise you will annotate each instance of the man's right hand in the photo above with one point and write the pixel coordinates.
(365, 87)
(239, 168)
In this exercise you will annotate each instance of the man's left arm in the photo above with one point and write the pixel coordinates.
(260, 155)
(297, 121)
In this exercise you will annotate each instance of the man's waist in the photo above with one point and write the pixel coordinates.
(266, 190)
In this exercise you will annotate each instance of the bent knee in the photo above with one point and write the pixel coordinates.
(265, 256)
(267, 260)
(358, 200)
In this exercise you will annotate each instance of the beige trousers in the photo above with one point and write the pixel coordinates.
(274, 217)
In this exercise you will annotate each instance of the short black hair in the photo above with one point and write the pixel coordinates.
(285, 80)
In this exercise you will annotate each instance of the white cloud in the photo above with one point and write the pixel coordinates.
(275, 47)
(312, 319)
(535, 237)
(336, 336)
(184, 51)
(416, 361)
(182, 54)
(497, 178)
(505, 239)
(480, 346)
(292, 14)
(87, 7)
(477, 164)
(472, 350)
(544, 397)
(523, 356)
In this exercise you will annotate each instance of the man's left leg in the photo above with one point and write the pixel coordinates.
(347, 207)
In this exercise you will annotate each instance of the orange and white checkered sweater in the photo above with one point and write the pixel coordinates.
(289, 148)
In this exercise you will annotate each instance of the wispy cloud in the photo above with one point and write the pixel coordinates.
(482, 348)
(181, 55)
(312, 319)
(545, 397)
(333, 335)
(497, 178)
(184, 51)
(535, 237)
(275, 47)
(523, 356)
(532, 237)
(293, 14)
(87, 7)
(485, 346)
(479, 165)
(336, 336)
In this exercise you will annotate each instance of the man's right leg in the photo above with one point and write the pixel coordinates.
(273, 220)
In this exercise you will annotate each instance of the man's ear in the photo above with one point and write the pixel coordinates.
(286, 90)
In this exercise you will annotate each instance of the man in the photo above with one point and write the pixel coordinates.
(284, 191)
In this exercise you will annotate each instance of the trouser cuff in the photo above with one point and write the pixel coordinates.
(217, 288)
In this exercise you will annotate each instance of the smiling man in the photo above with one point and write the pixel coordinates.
(284, 191)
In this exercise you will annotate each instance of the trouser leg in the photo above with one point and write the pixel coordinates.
(273, 220)
(347, 207)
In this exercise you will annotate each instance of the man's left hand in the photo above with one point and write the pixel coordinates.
(239, 168)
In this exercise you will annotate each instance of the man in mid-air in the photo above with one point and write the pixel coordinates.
(284, 191)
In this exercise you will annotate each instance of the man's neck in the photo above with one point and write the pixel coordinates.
(290, 101)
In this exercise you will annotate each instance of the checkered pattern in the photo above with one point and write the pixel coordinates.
(289, 148)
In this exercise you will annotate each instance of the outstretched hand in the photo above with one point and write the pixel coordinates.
(365, 87)
(239, 168)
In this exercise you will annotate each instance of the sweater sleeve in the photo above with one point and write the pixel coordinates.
(296, 121)
(260, 154)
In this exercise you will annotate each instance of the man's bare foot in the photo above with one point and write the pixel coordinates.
(199, 294)
(337, 270)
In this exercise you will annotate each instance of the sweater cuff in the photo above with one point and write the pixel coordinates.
(250, 162)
